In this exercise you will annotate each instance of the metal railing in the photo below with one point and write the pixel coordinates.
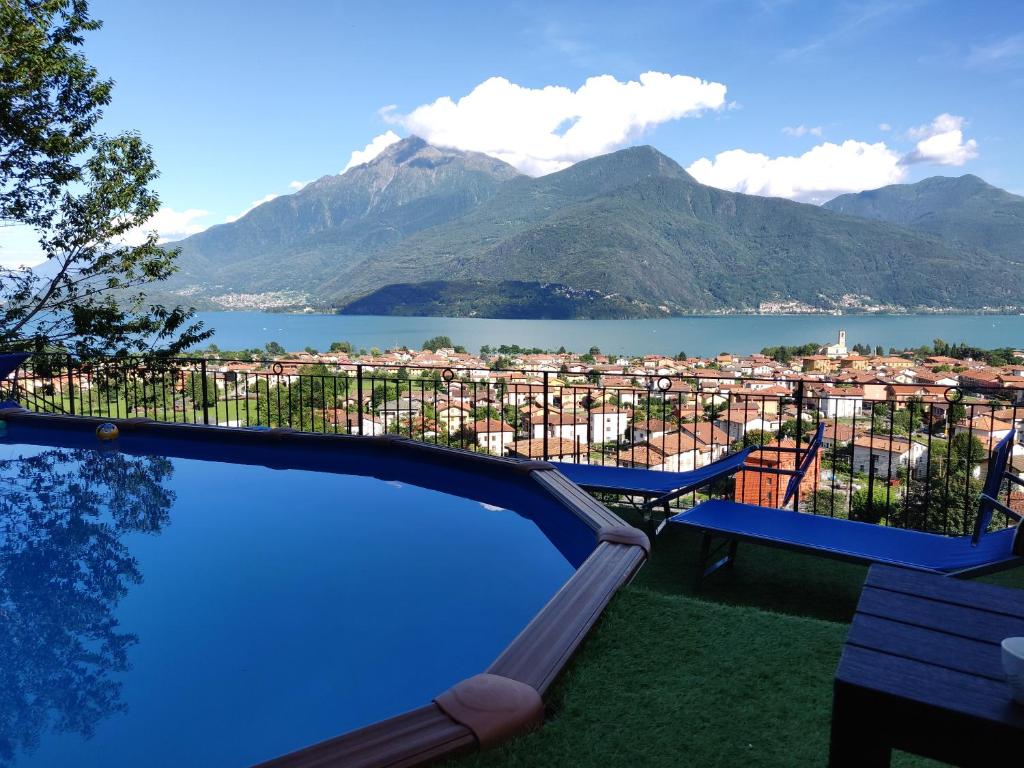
(897, 455)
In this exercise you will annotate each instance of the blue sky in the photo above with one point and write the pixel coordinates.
(799, 99)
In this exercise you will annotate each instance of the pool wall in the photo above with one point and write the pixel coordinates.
(507, 699)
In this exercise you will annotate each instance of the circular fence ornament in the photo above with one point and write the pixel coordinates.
(953, 394)
(278, 369)
(664, 384)
(448, 374)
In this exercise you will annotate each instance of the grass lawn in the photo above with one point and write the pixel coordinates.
(739, 674)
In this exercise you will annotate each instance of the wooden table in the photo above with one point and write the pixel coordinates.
(921, 672)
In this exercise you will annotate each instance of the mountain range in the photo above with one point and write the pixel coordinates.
(430, 230)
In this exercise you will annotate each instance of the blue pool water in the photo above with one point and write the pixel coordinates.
(161, 610)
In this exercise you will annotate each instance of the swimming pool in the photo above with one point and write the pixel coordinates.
(205, 596)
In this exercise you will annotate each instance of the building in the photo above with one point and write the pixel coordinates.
(568, 425)
(819, 364)
(557, 450)
(608, 424)
(736, 425)
(768, 489)
(836, 350)
(674, 452)
(840, 402)
(493, 435)
(988, 429)
(887, 455)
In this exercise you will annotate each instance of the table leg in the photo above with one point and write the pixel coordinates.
(854, 742)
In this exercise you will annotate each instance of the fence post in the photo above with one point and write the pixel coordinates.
(71, 385)
(359, 394)
(799, 436)
(206, 403)
(544, 406)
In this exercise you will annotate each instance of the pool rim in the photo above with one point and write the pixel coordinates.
(506, 699)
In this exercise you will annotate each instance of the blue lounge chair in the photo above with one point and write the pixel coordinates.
(963, 556)
(659, 488)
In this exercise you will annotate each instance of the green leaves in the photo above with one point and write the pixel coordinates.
(88, 196)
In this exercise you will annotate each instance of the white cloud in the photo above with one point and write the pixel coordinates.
(829, 169)
(371, 150)
(541, 130)
(297, 185)
(885, 127)
(169, 225)
(815, 176)
(265, 199)
(802, 130)
(942, 142)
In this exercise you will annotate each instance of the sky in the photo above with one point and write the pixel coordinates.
(243, 101)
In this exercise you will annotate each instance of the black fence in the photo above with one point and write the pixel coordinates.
(898, 454)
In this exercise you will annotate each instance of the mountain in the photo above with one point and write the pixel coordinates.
(294, 242)
(635, 226)
(963, 209)
(423, 230)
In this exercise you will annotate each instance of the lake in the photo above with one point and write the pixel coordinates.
(701, 336)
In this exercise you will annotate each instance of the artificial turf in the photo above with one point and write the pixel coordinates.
(739, 673)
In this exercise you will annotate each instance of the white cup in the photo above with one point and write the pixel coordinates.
(1013, 666)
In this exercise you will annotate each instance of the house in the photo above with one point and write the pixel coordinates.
(648, 429)
(892, 362)
(766, 399)
(936, 379)
(608, 423)
(819, 364)
(706, 434)
(736, 425)
(350, 422)
(840, 402)
(768, 488)
(855, 363)
(568, 425)
(987, 428)
(836, 435)
(674, 452)
(452, 415)
(493, 434)
(901, 394)
(886, 455)
(555, 450)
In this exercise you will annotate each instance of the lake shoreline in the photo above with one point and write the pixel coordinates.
(696, 335)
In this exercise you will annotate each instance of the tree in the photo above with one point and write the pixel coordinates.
(789, 429)
(274, 349)
(946, 500)
(955, 413)
(341, 346)
(69, 516)
(194, 390)
(825, 501)
(755, 437)
(86, 196)
(437, 342)
(681, 356)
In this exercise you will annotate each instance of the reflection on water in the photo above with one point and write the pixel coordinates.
(63, 570)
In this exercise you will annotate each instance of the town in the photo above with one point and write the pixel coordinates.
(891, 419)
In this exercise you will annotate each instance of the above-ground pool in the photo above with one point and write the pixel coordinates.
(213, 597)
